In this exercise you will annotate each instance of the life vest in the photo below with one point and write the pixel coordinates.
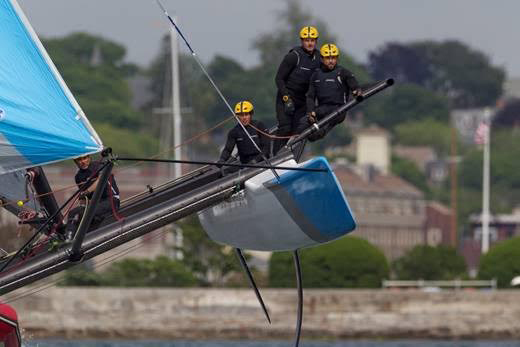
(298, 81)
(244, 145)
(329, 87)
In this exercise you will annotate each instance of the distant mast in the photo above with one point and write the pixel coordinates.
(176, 104)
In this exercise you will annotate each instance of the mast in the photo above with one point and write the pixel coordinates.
(453, 187)
(176, 104)
(485, 183)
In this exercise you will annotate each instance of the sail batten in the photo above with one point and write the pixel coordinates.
(40, 120)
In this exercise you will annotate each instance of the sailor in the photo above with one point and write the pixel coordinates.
(109, 201)
(292, 81)
(247, 151)
(330, 87)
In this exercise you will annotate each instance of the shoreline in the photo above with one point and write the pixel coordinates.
(234, 314)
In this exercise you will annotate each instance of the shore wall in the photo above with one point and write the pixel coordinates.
(199, 313)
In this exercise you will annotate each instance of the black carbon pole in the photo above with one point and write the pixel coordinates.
(137, 224)
(75, 253)
(288, 168)
(317, 126)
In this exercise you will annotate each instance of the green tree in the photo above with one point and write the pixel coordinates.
(275, 44)
(425, 132)
(430, 263)
(131, 272)
(160, 272)
(349, 262)
(464, 75)
(126, 142)
(209, 261)
(509, 115)
(407, 103)
(504, 173)
(81, 276)
(95, 71)
(501, 262)
(407, 170)
(401, 62)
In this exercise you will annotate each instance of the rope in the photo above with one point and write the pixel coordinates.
(269, 135)
(106, 261)
(70, 187)
(116, 215)
(226, 164)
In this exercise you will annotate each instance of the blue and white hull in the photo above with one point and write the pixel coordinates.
(303, 209)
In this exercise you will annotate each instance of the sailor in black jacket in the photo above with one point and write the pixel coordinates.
(292, 81)
(330, 87)
(236, 136)
(108, 202)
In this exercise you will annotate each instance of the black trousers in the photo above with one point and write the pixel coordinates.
(321, 112)
(103, 208)
(288, 124)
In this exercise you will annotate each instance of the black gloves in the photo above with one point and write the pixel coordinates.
(288, 105)
(311, 117)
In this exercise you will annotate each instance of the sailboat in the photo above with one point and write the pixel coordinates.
(286, 204)
(9, 329)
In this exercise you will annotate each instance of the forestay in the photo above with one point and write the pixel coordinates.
(40, 121)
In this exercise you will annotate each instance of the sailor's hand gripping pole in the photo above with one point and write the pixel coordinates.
(75, 249)
(215, 86)
(378, 87)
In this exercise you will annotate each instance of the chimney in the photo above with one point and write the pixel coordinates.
(373, 148)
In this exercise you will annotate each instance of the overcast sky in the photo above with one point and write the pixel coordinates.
(229, 26)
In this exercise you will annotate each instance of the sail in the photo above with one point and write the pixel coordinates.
(40, 121)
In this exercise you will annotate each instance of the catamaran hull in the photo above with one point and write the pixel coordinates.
(303, 209)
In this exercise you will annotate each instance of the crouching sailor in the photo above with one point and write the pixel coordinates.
(247, 151)
(330, 87)
(109, 201)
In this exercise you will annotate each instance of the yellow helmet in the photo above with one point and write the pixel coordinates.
(309, 32)
(244, 107)
(329, 50)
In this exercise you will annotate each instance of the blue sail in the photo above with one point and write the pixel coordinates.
(40, 121)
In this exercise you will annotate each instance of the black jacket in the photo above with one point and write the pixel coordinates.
(330, 87)
(83, 175)
(246, 150)
(295, 71)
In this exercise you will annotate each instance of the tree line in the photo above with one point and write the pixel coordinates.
(350, 262)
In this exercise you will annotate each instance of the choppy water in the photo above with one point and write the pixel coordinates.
(304, 343)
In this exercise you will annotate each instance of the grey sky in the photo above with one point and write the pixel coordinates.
(228, 26)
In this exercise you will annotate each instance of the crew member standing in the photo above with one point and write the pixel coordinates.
(292, 81)
(330, 87)
(247, 151)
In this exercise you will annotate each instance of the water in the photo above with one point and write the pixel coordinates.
(350, 343)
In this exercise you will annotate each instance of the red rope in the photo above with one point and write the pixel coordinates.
(116, 215)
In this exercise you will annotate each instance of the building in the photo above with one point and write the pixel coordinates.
(438, 224)
(501, 227)
(389, 211)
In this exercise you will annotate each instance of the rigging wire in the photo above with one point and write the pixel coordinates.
(195, 56)
(123, 168)
(105, 261)
(225, 164)
(51, 218)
